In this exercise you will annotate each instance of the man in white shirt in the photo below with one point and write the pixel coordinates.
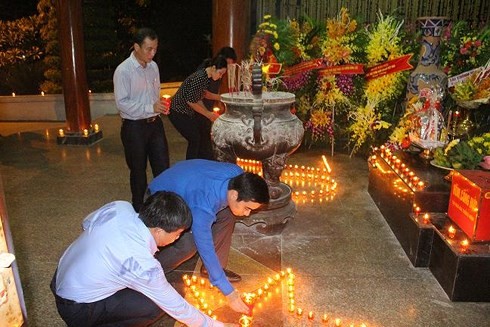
(109, 276)
(137, 95)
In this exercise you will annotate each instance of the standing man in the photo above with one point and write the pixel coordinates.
(216, 192)
(137, 94)
(109, 275)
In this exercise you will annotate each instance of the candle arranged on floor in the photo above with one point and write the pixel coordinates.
(206, 301)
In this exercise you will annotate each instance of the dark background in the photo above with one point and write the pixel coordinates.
(183, 26)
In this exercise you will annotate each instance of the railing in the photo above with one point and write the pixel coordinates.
(477, 11)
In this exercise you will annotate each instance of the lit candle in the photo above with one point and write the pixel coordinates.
(216, 110)
(299, 312)
(96, 127)
(42, 93)
(325, 318)
(85, 132)
(291, 308)
(245, 321)
(338, 322)
(311, 316)
(426, 218)
(451, 231)
(464, 245)
(13, 94)
(61, 132)
(417, 210)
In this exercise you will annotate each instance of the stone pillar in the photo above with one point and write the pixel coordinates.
(231, 26)
(75, 87)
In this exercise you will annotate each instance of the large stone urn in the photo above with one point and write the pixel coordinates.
(260, 126)
(428, 74)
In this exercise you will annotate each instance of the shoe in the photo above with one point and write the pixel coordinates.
(232, 277)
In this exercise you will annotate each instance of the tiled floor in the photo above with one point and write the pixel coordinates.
(347, 262)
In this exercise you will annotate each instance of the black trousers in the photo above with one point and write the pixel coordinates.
(124, 308)
(197, 133)
(143, 141)
(184, 248)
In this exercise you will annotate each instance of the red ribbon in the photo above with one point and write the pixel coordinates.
(304, 66)
(389, 67)
(349, 69)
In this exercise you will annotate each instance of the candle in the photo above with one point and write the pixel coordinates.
(299, 312)
(96, 127)
(61, 132)
(13, 94)
(216, 110)
(451, 231)
(325, 318)
(85, 132)
(338, 322)
(311, 316)
(42, 93)
(426, 218)
(464, 245)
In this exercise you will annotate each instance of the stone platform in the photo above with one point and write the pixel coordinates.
(462, 272)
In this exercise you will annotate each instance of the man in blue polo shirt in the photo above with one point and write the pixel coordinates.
(216, 192)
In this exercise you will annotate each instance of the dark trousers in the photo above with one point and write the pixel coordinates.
(196, 132)
(124, 308)
(184, 248)
(143, 141)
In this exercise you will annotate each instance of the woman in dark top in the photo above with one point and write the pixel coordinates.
(187, 105)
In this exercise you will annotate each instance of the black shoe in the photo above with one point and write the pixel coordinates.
(232, 277)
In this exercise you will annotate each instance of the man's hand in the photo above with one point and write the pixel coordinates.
(235, 302)
(161, 107)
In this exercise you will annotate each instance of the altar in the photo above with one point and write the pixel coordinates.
(413, 197)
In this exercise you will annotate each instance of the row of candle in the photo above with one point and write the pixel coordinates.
(42, 93)
(85, 132)
(451, 230)
(310, 184)
(400, 168)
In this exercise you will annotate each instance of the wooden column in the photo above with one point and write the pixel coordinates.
(75, 87)
(231, 26)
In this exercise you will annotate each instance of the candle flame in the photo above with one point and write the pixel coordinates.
(325, 162)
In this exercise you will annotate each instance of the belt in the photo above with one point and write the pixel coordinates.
(64, 301)
(144, 120)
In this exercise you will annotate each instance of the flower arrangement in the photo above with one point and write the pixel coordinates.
(473, 90)
(464, 47)
(338, 46)
(380, 93)
(460, 154)
(265, 41)
(306, 36)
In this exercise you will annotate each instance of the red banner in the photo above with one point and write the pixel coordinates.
(304, 66)
(272, 68)
(393, 66)
(349, 69)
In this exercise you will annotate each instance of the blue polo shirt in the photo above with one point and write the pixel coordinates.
(203, 184)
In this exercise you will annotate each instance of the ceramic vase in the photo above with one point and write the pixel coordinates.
(427, 74)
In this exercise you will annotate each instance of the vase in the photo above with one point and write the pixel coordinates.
(261, 128)
(427, 74)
